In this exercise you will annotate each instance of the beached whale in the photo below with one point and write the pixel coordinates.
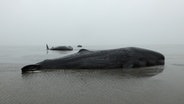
(60, 48)
(130, 57)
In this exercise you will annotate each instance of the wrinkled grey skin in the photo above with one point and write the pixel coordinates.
(130, 57)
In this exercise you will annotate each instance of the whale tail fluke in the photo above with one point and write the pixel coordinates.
(47, 47)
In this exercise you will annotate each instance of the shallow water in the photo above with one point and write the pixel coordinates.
(89, 86)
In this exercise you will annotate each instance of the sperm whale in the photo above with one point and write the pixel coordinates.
(130, 57)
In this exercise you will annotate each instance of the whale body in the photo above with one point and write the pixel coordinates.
(130, 57)
(60, 48)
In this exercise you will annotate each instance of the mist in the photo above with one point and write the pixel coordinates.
(94, 22)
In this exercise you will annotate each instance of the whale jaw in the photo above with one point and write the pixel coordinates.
(30, 68)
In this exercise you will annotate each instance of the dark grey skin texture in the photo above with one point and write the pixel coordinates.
(130, 57)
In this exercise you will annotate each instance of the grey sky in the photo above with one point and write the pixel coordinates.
(91, 22)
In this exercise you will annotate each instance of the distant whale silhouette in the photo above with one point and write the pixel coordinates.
(62, 48)
(130, 57)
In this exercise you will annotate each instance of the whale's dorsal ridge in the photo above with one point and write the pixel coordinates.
(83, 50)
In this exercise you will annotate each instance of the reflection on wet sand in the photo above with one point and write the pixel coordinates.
(112, 86)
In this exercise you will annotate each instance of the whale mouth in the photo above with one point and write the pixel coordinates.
(30, 68)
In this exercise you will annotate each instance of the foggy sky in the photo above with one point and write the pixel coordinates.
(91, 22)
